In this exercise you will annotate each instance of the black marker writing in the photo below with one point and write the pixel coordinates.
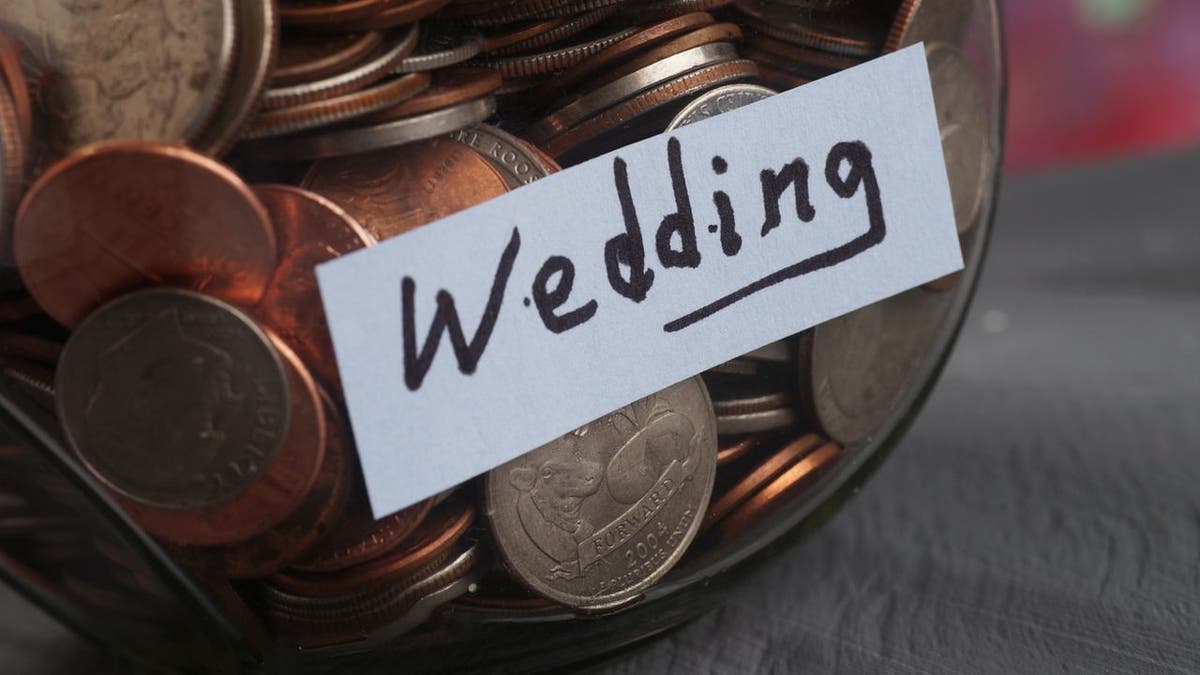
(626, 249)
(681, 222)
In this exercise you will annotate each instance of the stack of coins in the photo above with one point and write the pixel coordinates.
(167, 309)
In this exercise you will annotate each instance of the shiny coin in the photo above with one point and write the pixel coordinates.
(258, 38)
(718, 101)
(355, 140)
(861, 364)
(393, 192)
(310, 230)
(173, 399)
(595, 517)
(732, 497)
(146, 70)
(962, 118)
(449, 88)
(517, 162)
(305, 57)
(330, 111)
(528, 65)
(279, 491)
(117, 216)
(14, 78)
(441, 47)
(731, 452)
(780, 491)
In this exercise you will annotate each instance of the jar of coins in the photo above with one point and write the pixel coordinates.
(178, 478)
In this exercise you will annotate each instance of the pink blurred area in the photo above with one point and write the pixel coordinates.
(1091, 79)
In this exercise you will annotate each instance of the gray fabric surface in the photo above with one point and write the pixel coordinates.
(1043, 515)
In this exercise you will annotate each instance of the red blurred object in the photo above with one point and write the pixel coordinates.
(1090, 79)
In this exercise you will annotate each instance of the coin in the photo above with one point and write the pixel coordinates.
(13, 152)
(324, 112)
(657, 10)
(523, 10)
(430, 544)
(546, 33)
(596, 516)
(528, 65)
(718, 101)
(173, 399)
(397, 13)
(305, 57)
(355, 140)
(123, 214)
(310, 230)
(735, 450)
(146, 70)
(860, 365)
(732, 497)
(317, 517)
(362, 538)
(440, 47)
(258, 29)
(962, 118)
(780, 491)
(449, 88)
(302, 13)
(390, 192)
(928, 21)
(630, 111)
(517, 162)
(277, 493)
(14, 77)
(713, 35)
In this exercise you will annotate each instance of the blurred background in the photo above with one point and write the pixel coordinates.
(1096, 79)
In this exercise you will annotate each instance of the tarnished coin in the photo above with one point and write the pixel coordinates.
(120, 215)
(516, 161)
(278, 492)
(595, 517)
(173, 399)
(310, 230)
(860, 365)
(962, 118)
(718, 101)
(147, 70)
(394, 192)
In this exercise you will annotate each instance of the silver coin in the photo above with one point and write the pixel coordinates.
(860, 365)
(258, 29)
(962, 118)
(516, 163)
(604, 97)
(718, 101)
(364, 139)
(172, 398)
(122, 68)
(596, 516)
(530, 65)
(395, 47)
(441, 48)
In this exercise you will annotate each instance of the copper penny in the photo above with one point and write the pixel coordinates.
(361, 538)
(276, 495)
(391, 192)
(330, 111)
(315, 13)
(720, 32)
(563, 30)
(627, 48)
(450, 87)
(501, 40)
(782, 488)
(733, 451)
(124, 214)
(434, 538)
(310, 230)
(631, 109)
(748, 486)
(26, 346)
(397, 13)
(780, 80)
(320, 513)
(10, 70)
(304, 56)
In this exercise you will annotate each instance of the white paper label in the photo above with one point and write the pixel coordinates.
(472, 340)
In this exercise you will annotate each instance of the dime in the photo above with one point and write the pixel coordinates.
(548, 32)
(317, 517)
(393, 192)
(860, 365)
(441, 47)
(310, 230)
(519, 163)
(595, 517)
(779, 491)
(146, 70)
(355, 140)
(278, 492)
(718, 101)
(528, 65)
(330, 111)
(124, 214)
(258, 27)
(962, 117)
(173, 399)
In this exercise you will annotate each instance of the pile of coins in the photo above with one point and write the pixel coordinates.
(181, 168)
